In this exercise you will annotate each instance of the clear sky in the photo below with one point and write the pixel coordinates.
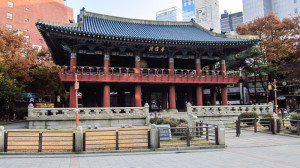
(140, 9)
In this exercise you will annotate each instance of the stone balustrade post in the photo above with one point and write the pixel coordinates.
(221, 133)
(270, 107)
(78, 139)
(147, 108)
(154, 141)
(30, 110)
(1, 139)
(189, 108)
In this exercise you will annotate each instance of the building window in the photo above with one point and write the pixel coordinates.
(9, 27)
(9, 15)
(41, 41)
(10, 4)
(27, 38)
(296, 10)
(27, 20)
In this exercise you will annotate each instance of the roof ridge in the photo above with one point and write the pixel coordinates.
(47, 22)
(138, 21)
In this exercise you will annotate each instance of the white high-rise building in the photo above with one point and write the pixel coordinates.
(171, 14)
(260, 8)
(286, 8)
(204, 12)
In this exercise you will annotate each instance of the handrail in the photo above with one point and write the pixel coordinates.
(152, 71)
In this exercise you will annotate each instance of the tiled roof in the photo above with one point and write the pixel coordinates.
(110, 26)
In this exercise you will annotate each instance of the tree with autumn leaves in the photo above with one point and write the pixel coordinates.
(24, 69)
(277, 51)
(278, 39)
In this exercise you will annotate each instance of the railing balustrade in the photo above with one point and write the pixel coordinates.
(161, 74)
(92, 112)
(229, 110)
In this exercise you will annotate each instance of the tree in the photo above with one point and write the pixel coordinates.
(277, 37)
(250, 62)
(277, 45)
(9, 91)
(25, 69)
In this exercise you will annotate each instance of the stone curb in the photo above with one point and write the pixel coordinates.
(281, 134)
(11, 122)
(119, 151)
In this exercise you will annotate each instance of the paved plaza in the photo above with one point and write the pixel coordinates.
(248, 150)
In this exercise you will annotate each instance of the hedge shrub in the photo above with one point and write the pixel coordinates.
(266, 119)
(294, 117)
(173, 122)
(248, 115)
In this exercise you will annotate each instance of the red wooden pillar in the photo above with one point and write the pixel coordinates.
(171, 64)
(106, 95)
(198, 66)
(213, 94)
(224, 95)
(106, 61)
(137, 63)
(138, 95)
(172, 97)
(132, 97)
(73, 64)
(164, 99)
(72, 100)
(199, 96)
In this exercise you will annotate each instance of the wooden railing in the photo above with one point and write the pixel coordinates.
(152, 75)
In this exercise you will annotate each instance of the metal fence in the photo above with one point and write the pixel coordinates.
(266, 124)
(202, 134)
(288, 126)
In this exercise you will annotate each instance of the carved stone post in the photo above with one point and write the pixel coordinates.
(30, 110)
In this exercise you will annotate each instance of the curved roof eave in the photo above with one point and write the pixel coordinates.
(120, 32)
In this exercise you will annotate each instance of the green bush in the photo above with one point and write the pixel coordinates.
(158, 120)
(21, 113)
(173, 122)
(294, 117)
(248, 115)
(266, 119)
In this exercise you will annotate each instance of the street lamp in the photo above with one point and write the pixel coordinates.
(275, 91)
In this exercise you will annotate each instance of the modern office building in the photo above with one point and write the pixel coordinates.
(171, 14)
(229, 21)
(260, 8)
(21, 16)
(188, 10)
(286, 8)
(165, 64)
(204, 12)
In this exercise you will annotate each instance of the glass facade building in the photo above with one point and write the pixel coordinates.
(260, 8)
(171, 14)
(229, 21)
